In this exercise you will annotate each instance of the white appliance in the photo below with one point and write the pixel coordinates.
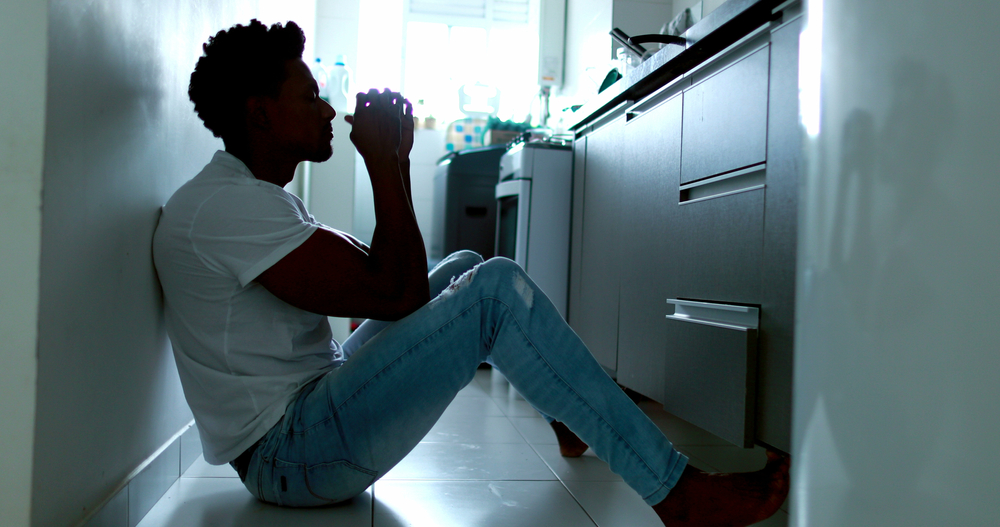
(897, 355)
(533, 214)
(551, 43)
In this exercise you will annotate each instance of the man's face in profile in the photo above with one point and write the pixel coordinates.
(301, 122)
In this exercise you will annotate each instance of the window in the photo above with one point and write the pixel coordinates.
(448, 44)
(515, 11)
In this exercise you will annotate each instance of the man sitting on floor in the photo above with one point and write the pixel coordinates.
(249, 278)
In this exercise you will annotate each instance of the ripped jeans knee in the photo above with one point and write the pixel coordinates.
(496, 274)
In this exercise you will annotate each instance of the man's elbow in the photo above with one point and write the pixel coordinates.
(400, 311)
(412, 301)
(403, 301)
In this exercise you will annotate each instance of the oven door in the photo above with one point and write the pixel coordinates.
(513, 208)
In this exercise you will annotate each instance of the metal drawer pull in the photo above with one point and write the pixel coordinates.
(727, 316)
(743, 180)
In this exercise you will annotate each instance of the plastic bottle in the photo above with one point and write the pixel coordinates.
(339, 86)
(322, 77)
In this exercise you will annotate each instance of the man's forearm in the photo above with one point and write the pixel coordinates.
(397, 246)
(404, 172)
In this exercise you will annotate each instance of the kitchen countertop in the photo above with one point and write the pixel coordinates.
(729, 22)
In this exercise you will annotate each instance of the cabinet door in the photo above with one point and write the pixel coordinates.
(725, 119)
(774, 386)
(595, 318)
(576, 228)
(651, 171)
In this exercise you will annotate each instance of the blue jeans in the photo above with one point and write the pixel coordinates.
(439, 278)
(355, 423)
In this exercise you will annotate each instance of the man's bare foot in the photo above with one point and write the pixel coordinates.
(569, 444)
(728, 500)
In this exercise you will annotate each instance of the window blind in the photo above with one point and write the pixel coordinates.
(513, 11)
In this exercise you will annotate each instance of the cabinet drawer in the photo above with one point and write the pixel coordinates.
(720, 247)
(725, 119)
(710, 373)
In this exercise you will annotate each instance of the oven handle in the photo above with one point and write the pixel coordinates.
(514, 187)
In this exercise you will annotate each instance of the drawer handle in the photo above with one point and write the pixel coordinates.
(743, 180)
(742, 318)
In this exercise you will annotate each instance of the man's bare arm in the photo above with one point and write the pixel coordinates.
(329, 273)
(405, 145)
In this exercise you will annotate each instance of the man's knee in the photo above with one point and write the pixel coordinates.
(458, 262)
(451, 268)
(488, 274)
(496, 276)
(504, 274)
(466, 254)
(500, 268)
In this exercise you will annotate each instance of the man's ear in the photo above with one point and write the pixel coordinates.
(257, 113)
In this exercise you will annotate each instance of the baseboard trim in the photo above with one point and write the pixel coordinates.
(119, 508)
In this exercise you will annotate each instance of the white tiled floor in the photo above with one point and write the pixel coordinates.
(490, 461)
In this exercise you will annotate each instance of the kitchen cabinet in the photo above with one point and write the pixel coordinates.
(689, 195)
(595, 313)
(784, 164)
(650, 174)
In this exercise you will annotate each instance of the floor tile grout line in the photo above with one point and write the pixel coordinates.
(584, 509)
(489, 394)
(523, 436)
(565, 486)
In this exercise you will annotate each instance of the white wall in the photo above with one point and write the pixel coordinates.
(331, 196)
(23, 43)
(428, 148)
(588, 46)
(641, 17)
(337, 30)
(897, 354)
(120, 137)
(707, 5)
(379, 66)
(331, 183)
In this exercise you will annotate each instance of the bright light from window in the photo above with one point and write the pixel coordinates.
(425, 52)
(442, 58)
(513, 60)
(379, 58)
(465, 54)
(431, 56)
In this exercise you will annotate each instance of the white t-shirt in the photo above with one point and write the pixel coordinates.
(241, 352)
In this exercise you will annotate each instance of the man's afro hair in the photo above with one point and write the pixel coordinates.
(240, 62)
